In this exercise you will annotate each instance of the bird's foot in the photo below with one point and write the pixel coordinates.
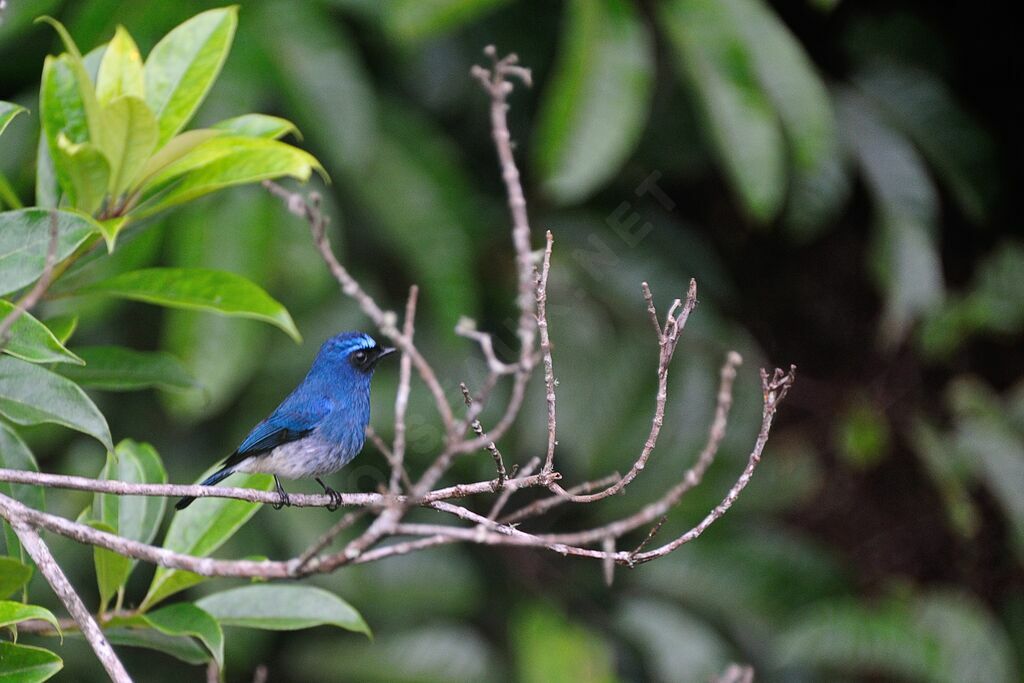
(334, 495)
(285, 500)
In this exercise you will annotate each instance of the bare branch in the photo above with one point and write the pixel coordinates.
(671, 332)
(49, 568)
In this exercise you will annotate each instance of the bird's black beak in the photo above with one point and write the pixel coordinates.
(383, 351)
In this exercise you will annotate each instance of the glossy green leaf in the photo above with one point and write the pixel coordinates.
(83, 85)
(15, 455)
(62, 326)
(184, 648)
(905, 256)
(198, 289)
(186, 619)
(120, 72)
(47, 188)
(14, 575)
(130, 142)
(25, 240)
(134, 517)
(7, 113)
(27, 664)
(33, 341)
(176, 148)
(184, 64)
(282, 607)
(112, 569)
(88, 173)
(30, 394)
(595, 107)
(116, 368)
(62, 111)
(201, 529)
(226, 161)
(257, 126)
(741, 122)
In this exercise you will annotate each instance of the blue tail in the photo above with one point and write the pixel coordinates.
(217, 476)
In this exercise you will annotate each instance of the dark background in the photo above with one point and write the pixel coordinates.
(883, 536)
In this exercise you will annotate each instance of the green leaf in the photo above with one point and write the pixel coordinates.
(938, 637)
(27, 664)
(905, 256)
(16, 612)
(33, 341)
(13, 575)
(7, 113)
(413, 21)
(317, 63)
(130, 141)
(186, 619)
(258, 126)
(199, 289)
(225, 161)
(25, 240)
(120, 70)
(282, 607)
(116, 368)
(672, 639)
(61, 111)
(955, 144)
(82, 84)
(134, 517)
(201, 529)
(88, 173)
(175, 149)
(47, 187)
(112, 569)
(595, 108)
(15, 455)
(184, 648)
(30, 394)
(549, 647)
(742, 124)
(431, 651)
(184, 64)
(62, 326)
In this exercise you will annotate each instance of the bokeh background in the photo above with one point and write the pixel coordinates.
(840, 177)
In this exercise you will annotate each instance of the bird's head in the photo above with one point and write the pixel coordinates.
(353, 352)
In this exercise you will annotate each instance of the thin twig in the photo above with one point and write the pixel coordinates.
(478, 429)
(545, 348)
(402, 396)
(668, 341)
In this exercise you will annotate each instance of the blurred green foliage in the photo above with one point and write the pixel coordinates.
(834, 175)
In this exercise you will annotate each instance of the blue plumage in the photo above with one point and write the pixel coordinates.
(320, 426)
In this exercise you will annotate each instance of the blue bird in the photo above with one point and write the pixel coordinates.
(320, 427)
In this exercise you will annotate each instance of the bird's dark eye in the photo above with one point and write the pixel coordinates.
(359, 357)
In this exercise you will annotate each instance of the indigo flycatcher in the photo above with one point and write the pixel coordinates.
(320, 427)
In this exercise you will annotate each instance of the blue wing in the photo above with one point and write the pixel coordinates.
(291, 421)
